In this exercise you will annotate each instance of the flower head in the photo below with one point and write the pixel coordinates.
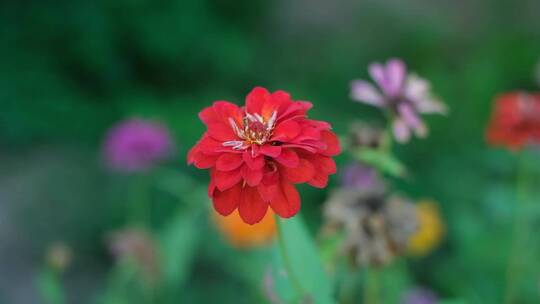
(138, 246)
(515, 121)
(257, 153)
(364, 135)
(377, 228)
(242, 235)
(405, 96)
(59, 256)
(136, 145)
(430, 229)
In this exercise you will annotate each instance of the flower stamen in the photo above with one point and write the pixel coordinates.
(255, 131)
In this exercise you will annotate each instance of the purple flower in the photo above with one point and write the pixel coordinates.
(358, 176)
(419, 295)
(406, 96)
(136, 145)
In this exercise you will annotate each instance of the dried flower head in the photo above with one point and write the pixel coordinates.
(404, 96)
(515, 121)
(137, 145)
(377, 227)
(430, 229)
(242, 235)
(136, 245)
(258, 152)
(364, 135)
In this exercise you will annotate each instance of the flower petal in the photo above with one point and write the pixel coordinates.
(269, 150)
(251, 208)
(412, 119)
(229, 161)
(417, 90)
(332, 143)
(401, 130)
(286, 131)
(279, 102)
(378, 74)
(225, 202)
(252, 177)
(301, 174)
(226, 179)
(395, 76)
(364, 92)
(256, 99)
(253, 162)
(287, 202)
(319, 180)
(202, 161)
(288, 158)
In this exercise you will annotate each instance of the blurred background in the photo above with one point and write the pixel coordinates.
(71, 70)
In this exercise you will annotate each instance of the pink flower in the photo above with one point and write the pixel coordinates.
(405, 96)
(137, 145)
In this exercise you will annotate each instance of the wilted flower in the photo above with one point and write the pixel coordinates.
(404, 96)
(358, 176)
(419, 295)
(136, 245)
(242, 235)
(377, 227)
(258, 152)
(430, 229)
(58, 256)
(364, 135)
(137, 145)
(515, 121)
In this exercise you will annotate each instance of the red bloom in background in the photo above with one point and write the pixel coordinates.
(258, 152)
(515, 121)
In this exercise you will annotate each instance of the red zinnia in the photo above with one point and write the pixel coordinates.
(515, 121)
(256, 153)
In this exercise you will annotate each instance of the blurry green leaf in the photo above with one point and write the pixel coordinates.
(395, 280)
(178, 243)
(305, 263)
(50, 287)
(330, 250)
(383, 161)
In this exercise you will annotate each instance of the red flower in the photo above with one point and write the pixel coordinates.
(515, 121)
(258, 152)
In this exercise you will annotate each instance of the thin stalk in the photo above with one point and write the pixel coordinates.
(286, 261)
(520, 230)
(371, 286)
(139, 205)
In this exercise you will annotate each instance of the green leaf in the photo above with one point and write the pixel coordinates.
(305, 263)
(177, 244)
(383, 161)
(50, 287)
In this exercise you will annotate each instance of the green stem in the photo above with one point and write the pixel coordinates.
(520, 231)
(371, 286)
(286, 261)
(139, 205)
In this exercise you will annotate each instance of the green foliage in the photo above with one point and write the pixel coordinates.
(305, 264)
(71, 69)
